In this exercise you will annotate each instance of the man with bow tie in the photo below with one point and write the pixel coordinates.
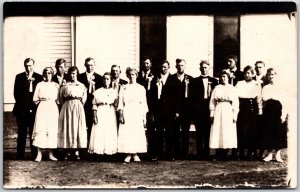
(25, 108)
(235, 74)
(180, 103)
(202, 87)
(146, 79)
(92, 82)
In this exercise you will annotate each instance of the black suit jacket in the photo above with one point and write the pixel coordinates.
(149, 92)
(98, 83)
(179, 104)
(198, 103)
(22, 96)
(239, 76)
(162, 104)
(55, 79)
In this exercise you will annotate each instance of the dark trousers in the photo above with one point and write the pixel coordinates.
(25, 124)
(180, 135)
(202, 125)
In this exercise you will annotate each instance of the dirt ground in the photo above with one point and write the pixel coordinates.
(145, 174)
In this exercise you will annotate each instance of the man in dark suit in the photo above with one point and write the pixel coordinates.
(116, 81)
(180, 103)
(201, 89)
(61, 76)
(92, 82)
(235, 74)
(260, 73)
(163, 120)
(25, 108)
(146, 78)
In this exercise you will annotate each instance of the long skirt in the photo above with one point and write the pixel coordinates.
(104, 134)
(72, 131)
(274, 134)
(132, 137)
(223, 133)
(45, 128)
(247, 124)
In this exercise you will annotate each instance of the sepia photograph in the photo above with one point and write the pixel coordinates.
(150, 95)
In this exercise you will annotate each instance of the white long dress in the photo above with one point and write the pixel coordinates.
(46, 120)
(104, 136)
(224, 107)
(72, 131)
(132, 137)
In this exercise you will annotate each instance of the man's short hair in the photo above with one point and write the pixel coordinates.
(88, 60)
(165, 61)
(146, 57)
(257, 62)
(234, 57)
(202, 62)
(27, 60)
(59, 62)
(178, 60)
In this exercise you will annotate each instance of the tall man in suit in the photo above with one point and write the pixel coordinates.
(146, 78)
(260, 73)
(180, 88)
(25, 108)
(92, 82)
(116, 81)
(61, 76)
(235, 74)
(202, 87)
(163, 120)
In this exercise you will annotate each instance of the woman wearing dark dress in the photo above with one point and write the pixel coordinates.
(249, 93)
(274, 135)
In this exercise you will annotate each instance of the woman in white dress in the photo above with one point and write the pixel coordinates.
(132, 107)
(72, 133)
(45, 128)
(224, 107)
(104, 134)
(274, 132)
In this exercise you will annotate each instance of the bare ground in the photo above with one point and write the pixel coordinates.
(146, 174)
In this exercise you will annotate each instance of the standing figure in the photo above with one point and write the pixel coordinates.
(46, 120)
(202, 87)
(181, 113)
(249, 93)
(72, 132)
(235, 74)
(25, 108)
(224, 107)
(104, 131)
(146, 78)
(274, 134)
(116, 81)
(92, 82)
(61, 76)
(132, 107)
(260, 76)
(162, 113)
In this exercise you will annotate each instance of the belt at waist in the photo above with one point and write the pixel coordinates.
(224, 101)
(72, 98)
(103, 104)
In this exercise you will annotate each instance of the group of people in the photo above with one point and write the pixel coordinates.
(242, 113)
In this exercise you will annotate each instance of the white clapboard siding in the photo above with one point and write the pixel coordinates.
(109, 40)
(57, 40)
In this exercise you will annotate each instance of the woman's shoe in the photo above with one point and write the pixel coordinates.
(127, 159)
(268, 158)
(39, 157)
(278, 157)
(52, 158)
(136, 158)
